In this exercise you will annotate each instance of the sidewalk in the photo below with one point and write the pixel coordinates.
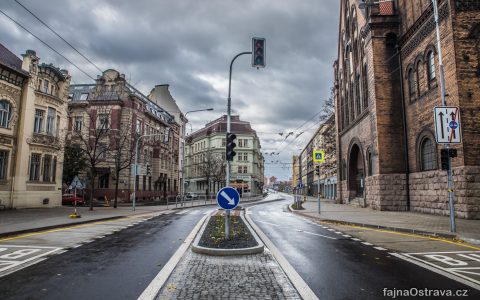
(34, 219)
(467, 230)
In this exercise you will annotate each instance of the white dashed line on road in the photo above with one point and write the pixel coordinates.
(356, 240)
(347, 236)
(366, 243)
(380, 248)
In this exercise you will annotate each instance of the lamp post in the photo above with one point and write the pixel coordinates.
(183, 150)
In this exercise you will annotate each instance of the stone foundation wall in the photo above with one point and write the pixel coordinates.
(428, 192)
(386, 192)
(342, 192)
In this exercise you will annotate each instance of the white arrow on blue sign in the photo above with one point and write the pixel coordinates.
(228, 198)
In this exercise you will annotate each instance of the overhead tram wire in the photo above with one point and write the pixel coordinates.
(46, 44)
(58, 35)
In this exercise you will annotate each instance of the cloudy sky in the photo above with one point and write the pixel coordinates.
(189, 44)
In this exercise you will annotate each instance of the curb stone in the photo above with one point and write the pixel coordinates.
(227, 252)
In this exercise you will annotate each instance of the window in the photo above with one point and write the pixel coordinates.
(3, 164)
(103, 121)
(38, 123)
(245, 156)
(370, 163)
(47, 168)
(245, 143)
(50, 128)
(78, 124)
(240, 169)
(102, 151)
(103, 181)
(139, 126)
(35, 167)
(54, 169)
(58, 126)
(245, 169)
(431, 66)
(40, 84)
(427, 154)
(46, 84)
(5, 113)
(84, 96)
(411, 82)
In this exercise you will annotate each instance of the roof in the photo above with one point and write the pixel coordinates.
(10, 60)
(220, 125)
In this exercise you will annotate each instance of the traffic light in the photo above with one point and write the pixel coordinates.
(258, 52)
(444, 159)
(317, 170)
(230, 146)
(149, 170)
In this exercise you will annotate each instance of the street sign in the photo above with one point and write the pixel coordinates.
(300, 185)
(228, 198)
(447, 125)
(76, 184)
(318, 156)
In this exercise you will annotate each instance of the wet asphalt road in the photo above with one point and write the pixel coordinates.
(118, 266)
(341, 268)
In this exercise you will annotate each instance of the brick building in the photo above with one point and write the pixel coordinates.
(386, 86)
(113, 110)
(33, 118)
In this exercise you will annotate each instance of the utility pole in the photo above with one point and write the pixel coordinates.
(444, 103)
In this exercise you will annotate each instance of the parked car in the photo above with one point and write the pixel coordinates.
(69, 199)
(191, 196)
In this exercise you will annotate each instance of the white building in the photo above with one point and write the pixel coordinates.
(205, 158)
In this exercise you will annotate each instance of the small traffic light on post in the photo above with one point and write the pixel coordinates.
(317, 170)
(230, 146)
(444, 159)
(258, 52)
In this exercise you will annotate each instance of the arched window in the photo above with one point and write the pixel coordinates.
(428, 155)
(431, 67)
(411, 83)
(370, 163)
(420, 78)
(5, 113)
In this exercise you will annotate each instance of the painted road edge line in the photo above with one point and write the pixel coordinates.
(154, 287)
(436, 270)
(302, 287)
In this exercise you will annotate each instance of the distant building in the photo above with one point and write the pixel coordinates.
(33, 119)
(162, 97)
(113, 105)
(303, 166)
(205, 162)
(387, 83)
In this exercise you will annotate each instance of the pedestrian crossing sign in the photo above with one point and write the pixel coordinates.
(318, 156)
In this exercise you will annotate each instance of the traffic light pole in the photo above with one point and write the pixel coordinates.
(444, 103)
(229, 112)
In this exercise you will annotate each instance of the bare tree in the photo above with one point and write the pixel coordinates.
(92, 137)
(122, 151)
(212, 167)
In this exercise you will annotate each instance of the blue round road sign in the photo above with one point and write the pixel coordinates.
(228, 198)
(453, 125)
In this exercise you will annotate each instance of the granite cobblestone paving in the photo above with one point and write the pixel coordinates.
(200, 276)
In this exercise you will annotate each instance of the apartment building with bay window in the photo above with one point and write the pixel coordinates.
(33, 116)
(205, 159)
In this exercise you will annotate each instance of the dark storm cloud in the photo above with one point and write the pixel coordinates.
(189, 44)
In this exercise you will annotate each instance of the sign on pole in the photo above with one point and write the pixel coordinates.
(318, 156)
(228, 198)
(76, 184)
(447, 125)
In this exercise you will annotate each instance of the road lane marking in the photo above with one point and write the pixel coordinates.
(347, 236)
(154, 287)
(16, 257)
(356, 240)
(366, 243)
(302, 287)
(321, 235)
(338, 232)
(330, 229)
(452, 273)
(181, 212)
(380, 248)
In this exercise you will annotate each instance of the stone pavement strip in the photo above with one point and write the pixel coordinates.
(200, 276)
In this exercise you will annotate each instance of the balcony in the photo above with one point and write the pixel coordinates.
(43, 139)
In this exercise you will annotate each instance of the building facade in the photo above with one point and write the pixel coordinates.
(304, 168)
(33, 116)
(387, 83)
(205, 159)
(112, 115)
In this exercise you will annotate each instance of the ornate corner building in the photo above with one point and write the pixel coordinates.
(387, 83)
(109, 111)
(33, 118)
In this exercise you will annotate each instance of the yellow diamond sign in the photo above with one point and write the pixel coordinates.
(318, 156)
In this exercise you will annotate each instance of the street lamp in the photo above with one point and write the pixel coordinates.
(183, 149)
